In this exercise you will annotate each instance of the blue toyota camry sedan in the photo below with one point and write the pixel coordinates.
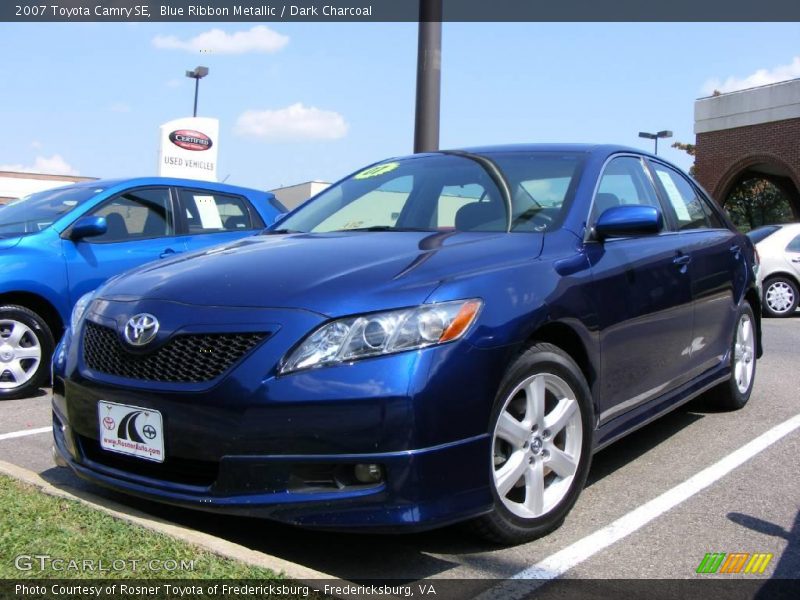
(437, 338)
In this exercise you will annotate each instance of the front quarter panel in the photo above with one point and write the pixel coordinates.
(36, 266)
(528, 300)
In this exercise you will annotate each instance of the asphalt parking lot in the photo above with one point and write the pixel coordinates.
(667, 506)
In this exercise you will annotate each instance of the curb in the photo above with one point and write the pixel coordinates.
(206, 541)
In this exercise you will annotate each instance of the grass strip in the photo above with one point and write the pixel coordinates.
(69, 533)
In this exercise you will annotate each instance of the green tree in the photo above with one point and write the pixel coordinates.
(755, 202)
(689, 149)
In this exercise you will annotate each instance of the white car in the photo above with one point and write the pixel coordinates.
(779, 249)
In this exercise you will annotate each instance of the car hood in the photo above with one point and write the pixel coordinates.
(6, 243)
(332, 274)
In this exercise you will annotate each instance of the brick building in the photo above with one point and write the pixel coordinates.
(750, 132)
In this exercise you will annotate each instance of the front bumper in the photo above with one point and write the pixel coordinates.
(259, 445)
(420, 491)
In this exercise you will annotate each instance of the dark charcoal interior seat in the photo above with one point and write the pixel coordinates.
(236, 222)
(481, 216)
(115, 227)
(603, 202)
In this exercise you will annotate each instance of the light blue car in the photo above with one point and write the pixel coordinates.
(57, 245)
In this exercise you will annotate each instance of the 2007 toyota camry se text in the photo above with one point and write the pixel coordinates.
(444, 337)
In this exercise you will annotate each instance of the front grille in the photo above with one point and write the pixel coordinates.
(191, 358)
(176, 470)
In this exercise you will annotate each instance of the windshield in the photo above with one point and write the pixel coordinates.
(446, 192)
(38, 211)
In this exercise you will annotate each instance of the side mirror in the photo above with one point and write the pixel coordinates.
(628, 220)
(88, 227)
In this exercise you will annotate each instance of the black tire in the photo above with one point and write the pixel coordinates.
(787, 286)
(502, 525)
(728, 395)
(36, 333)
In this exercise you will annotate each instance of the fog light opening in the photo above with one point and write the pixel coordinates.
(368, 473)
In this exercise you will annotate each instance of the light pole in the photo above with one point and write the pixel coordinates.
(654, 136)
(429, 76)
(197, 75)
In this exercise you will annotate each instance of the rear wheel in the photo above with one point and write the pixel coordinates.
(780, 297)
(541, 447)
(734, 393)
(26, 346)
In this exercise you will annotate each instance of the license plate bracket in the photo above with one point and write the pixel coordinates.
(131, 430)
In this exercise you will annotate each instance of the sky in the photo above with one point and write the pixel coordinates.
(316, 101)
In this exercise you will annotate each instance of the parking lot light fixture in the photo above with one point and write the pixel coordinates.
(197, 74)
(666, 133)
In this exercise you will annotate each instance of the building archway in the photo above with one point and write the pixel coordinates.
(771, 184)
(750, 135)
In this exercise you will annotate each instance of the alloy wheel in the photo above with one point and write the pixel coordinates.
(536, 445)
(744, 354)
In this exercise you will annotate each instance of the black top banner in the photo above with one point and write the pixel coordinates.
(265, 11)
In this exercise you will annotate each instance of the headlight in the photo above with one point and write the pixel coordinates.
(381, 333)
(80, 308)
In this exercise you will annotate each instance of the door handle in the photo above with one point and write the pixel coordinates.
(682, 261)
(168, 252)
(796, 260)
(736, 250)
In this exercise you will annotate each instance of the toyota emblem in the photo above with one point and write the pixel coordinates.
(141, 329)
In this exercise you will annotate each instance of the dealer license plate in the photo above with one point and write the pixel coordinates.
(131, 430)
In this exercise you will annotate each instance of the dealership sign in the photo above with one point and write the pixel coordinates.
(189, 139)
(188, 148)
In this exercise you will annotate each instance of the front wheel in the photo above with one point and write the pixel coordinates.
(26, 346)
(542, 432)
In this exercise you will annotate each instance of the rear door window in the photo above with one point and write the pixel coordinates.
(207, 211)
(685, 203)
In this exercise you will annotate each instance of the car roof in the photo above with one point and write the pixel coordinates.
(600, 152)
(604, 149)
(136, 181)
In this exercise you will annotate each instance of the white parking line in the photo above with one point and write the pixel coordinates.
(562, 561)
(24, 432)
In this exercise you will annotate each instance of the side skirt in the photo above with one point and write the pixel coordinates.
(647, 413)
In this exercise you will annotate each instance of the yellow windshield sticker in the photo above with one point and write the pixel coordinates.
(377, 170)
